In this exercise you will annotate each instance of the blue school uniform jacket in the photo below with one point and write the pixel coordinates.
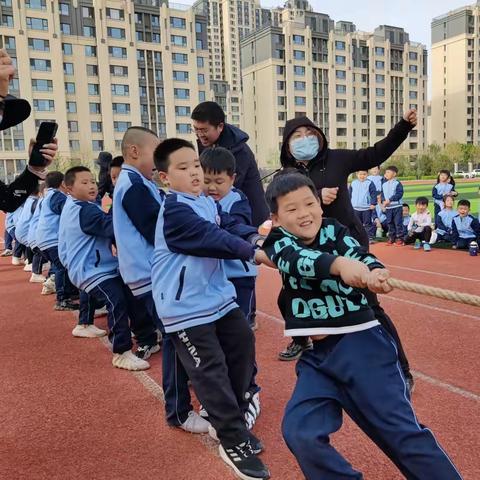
(190, 287)
(237, 205)
(363, 194)
(377, 181)
(85, 244)
(23, 223)
(32, 228)
(136, 203)
(439, 190)
(444, 221)
(392, 190)
(380, 214)
(47, 228)
(465, 227)
(10, 221)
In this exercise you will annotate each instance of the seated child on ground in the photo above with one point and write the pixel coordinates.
(353, 365)
(405, 218)
(420, 224)
(443, 231)
(465, 227)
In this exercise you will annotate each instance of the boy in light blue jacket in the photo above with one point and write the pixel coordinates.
(392, 194)
(196, 302)
(363, 194)
(85, 248)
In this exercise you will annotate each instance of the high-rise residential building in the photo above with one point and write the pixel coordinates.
(354, 85)
(98, 67)
(456, 76)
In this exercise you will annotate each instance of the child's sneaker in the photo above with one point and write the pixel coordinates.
(37, 278)
(88, 331)
(146, 351)
(418, 244)
(253, 411)
(426, 247)
(66, 305)
(16, 261)
(195, 423)
(49, 286)
(27, 267)
(100, 312)
(256, 444)
(244, 462)
(293, 351)
(128, 361)
(390, 242)
(6, 253)
(399, 242)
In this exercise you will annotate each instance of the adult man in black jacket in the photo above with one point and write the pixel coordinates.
(211, 129)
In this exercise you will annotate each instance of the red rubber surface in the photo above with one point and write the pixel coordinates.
(68, 414)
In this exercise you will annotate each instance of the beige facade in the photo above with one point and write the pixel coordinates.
(97, 68)
(456, 77)
(354, 85)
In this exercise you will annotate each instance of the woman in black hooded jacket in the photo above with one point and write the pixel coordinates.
(305, 148)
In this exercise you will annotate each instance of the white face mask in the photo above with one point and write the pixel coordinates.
(305, 148)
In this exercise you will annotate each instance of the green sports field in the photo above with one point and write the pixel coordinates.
(468, 191)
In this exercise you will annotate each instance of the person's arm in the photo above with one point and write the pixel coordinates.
(398, 193)
(15, 194)
(475, 226)
(95, 222)
(367, 158)
(142, 210)
(234, 227)
(57, 201)
(435, 193)
(242, 212)
(187, 233)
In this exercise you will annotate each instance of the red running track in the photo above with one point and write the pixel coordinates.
(67, 414)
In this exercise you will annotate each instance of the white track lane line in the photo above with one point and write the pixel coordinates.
(422, 376)
(429, 272)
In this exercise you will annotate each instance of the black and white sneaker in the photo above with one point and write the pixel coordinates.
(146, 351)
(244, 462)
(66, 306)
(253, 410)
(294, 351)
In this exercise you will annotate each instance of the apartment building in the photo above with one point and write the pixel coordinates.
(456, 76)
(355, 85)
(98, 67)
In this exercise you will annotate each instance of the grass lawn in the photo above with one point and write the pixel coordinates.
(468, 191)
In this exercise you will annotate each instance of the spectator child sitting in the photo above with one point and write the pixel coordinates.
(419, 228)
(445, 186)
(443, 224)
(465, 227)
(380, 220)
(405, 218)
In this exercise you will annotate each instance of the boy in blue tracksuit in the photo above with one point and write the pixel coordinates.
(392, 193)
(363, 194)
(136, 203)
(197, 304)
(85, 248)
(465, 227)
(353, 365)
(218, 165)
(405, 218)
(46, 238)
(444, 221)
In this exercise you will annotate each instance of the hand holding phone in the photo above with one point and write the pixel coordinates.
(46, 134)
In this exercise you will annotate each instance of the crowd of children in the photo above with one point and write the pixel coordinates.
(181, 261)
(378, 203)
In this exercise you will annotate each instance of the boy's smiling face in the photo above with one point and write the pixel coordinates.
(299, 212)
(84, 187)
(217, 185)
(463, 210)
(184, 173)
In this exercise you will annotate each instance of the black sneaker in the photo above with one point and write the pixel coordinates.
(244, 462)
(256, 444)
(146, 351)
(293, 351)
(66, 305)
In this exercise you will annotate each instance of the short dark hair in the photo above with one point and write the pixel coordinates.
(392, 168)
(365, 171)
(285, 183)
(464, 203)
(71, 173)
(117, 161)
(53, 179)
(162, 153)
(406, 205)
(210, 112)
(421, 201)
(218, 160)
(449, 195)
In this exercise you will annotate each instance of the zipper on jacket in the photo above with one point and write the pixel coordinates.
(245, 265)
(97, 254)
(181, 282)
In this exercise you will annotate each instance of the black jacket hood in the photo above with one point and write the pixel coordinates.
(286, 160)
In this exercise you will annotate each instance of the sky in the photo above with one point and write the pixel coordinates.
(414, 16)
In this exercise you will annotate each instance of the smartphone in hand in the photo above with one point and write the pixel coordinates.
(46, 134)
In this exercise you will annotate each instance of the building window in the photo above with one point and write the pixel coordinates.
(180, 58)
(379, 51)
(183, 128)
(93, 89)
(181, 111)
(341, 74)
(43, 105)
(67, 48)
(94, 107)
(201, 79)
(341, 132)
(40, 65)
(74, 145)
(35, 4)
(413, 95)
(7, 21)
(41, 85)
(97, 145)
(300, 71)
(281, 101)
(300, 101)
(280, 69)
(120, 90)
(299, 85)
(280, 85)
(117, 52)
(88, 12)
(92, 70)
(413, 55)
(202, 96)
(180, 76)
(65, 28)
(341, 88)
(96, 127)
(380, 119)
(90, 51)
(118, 71)
(380, 132)
(139, 36)
(68, 68)
(298, 39)
(413, 69)
(121, 126)
(88, 31)
(181, 93)
(380, 92)
(10, 43)
(380, 105)
(121, 108)
(198, 27)
(340, 103)
(115, 14)
(38, 44)
(341, 117)
(32, 23)
(299, 55)
(118, 33)
(380, 78)
(64, 9)
(199, 45)
(69, 88)
(72, 126)
(200, 62)
(339, 45)
(71, 107)
(339, 59)
(413, 82)
(176, 22)
(379, 64)
(178, 40)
